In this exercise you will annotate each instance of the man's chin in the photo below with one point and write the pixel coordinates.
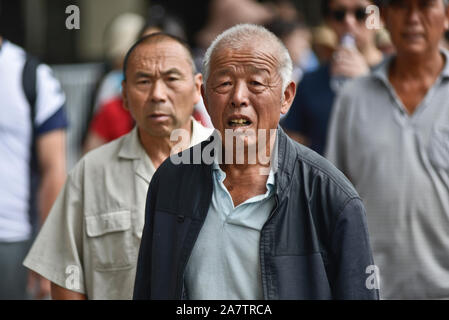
(158, 131)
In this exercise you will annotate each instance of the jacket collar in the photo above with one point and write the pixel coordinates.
(285, 162)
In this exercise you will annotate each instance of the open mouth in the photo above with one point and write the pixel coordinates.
(239, 121)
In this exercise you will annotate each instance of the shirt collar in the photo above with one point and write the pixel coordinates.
(131, 147)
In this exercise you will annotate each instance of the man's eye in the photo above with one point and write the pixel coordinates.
(171, 79)
(255, 83)
(226, 83)
(143, 82)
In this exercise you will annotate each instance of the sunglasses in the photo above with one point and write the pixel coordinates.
(340, 14)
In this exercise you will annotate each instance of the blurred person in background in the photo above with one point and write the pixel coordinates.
(119, 36)
(224, 14)
(324, 42)
(109, 119)
(32, 171)
(308, 118)
(297, 38)
(96, 223)
(389, 134)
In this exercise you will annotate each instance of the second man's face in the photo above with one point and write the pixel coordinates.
(416, 26)
(160, 89)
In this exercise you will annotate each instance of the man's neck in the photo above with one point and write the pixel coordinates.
(160, 148)
(417, 67)
(244, 181)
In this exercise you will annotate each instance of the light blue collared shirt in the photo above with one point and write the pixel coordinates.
(225, 263)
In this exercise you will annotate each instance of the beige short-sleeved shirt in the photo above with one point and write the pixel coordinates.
(90, 240)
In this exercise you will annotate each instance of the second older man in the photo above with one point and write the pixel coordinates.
(289, 228)
(390, 135)
(88, 246)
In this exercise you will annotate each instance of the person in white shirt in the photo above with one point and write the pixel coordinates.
(32, 144)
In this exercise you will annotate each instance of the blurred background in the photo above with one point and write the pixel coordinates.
(39, 25)
(80, 58)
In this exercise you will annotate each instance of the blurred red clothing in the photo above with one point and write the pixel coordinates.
(112, 120)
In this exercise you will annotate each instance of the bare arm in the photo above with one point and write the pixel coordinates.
(52, 162)
(60, 293)
(51, 157)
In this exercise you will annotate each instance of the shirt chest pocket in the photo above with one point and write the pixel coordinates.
(439, 147)
(111, 241)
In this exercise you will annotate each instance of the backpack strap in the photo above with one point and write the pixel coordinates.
(29, 83)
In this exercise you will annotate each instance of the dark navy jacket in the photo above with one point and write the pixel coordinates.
(314, 245)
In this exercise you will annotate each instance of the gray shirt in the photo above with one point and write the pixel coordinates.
(399, 164)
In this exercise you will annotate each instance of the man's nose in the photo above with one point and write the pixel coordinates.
(158, 91)
(239, 97)
(412, 13)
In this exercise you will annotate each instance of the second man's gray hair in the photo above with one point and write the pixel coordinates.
(241, 34)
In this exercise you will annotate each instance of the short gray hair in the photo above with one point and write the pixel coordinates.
(249, 33)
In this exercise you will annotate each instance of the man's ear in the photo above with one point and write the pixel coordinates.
(288, 96)
(124, 96)
(198, 79)
(203, 94)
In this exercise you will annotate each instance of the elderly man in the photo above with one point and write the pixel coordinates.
(88, 246)
(288, 228)
(390, 135)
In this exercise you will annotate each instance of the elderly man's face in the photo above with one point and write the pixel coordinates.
(416, 26)
(161, 90)
(244, 89)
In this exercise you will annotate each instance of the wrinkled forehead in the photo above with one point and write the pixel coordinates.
(253, 57)
(166, 52)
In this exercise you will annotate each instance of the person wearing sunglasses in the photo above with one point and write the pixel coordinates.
(389, 133)
(308, 117)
